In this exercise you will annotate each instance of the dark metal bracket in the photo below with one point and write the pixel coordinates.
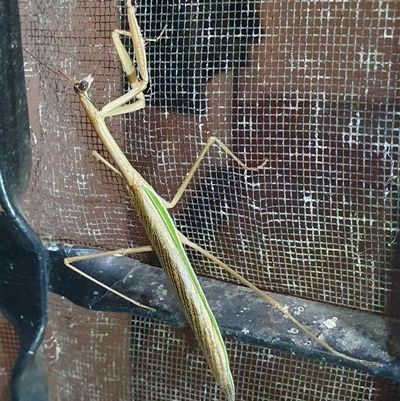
(23, 277)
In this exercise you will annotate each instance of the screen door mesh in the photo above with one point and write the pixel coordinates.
(309, 85)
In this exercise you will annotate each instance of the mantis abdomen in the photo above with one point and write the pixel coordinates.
(154, 217)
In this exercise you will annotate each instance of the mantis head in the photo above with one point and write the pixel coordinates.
(82, 86)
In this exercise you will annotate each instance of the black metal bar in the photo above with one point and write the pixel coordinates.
(241, 313)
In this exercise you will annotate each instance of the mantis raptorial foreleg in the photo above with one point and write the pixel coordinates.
(121, 105)
(165, 239)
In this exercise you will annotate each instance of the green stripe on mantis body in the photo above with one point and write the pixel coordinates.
(169, 224)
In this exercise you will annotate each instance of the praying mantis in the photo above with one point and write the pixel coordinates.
(165, 239)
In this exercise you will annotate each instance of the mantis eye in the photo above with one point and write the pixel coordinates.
(81, 86)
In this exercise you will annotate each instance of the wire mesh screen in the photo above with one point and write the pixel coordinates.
(8, 352)
(310, 86)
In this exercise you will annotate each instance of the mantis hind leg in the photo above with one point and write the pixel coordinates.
(272, 302)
